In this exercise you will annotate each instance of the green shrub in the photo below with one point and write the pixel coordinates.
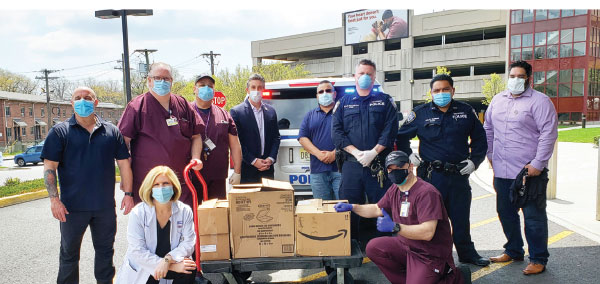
(22, 187)
(12, 181)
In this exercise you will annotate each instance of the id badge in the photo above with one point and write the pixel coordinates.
(404, 209)
(209, 144)
(172, 121)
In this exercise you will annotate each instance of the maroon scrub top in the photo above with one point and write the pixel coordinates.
(425, 204)
(219, 125)
(154, 143)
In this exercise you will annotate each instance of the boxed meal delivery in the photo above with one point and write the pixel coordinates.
(262, 219)
(213, 229)
(320, 230)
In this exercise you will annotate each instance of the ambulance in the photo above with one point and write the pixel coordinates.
(292, 99)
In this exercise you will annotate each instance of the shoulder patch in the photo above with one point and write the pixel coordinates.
(336, 106)
(393, 102)
(411, 117)
(474, 112)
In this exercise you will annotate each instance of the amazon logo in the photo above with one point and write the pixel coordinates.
(343, 233)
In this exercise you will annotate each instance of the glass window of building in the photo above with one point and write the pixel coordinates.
(22, 111)
(577, 90)
(551, 77)
(552, 51)
(552, 37)
(527, 40)
(566, 50)
(527, 15)
(551, 90)
(565, 76)
(541, 15)
(539, 77)
(7, 110)
(579, 49)
(515, 54)
(540, 38)
(564, 90)
(515, 41)
(579, 34)
(580, 12)
(30, 111)
(578, 75)
(566, 36)
(567, 13)
(515, 17)
(539, 52)
(553, 14)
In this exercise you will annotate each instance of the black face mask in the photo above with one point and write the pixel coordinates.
(398, 176)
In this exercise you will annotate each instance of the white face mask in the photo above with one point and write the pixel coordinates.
(516, 86)
(255, 96)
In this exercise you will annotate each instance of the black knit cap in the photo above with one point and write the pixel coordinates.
(397, 158)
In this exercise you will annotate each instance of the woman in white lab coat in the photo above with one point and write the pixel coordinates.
(160, 234)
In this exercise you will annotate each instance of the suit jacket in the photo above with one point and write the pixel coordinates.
(248, 133)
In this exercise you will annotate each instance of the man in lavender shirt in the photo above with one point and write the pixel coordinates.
(521, 128)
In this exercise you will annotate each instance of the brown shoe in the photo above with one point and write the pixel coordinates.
(534, 268)
(503, 258)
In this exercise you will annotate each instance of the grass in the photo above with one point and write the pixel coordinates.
(582, 135)
(567, 126)
(23, 187)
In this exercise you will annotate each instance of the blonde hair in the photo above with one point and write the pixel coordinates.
(148, 183)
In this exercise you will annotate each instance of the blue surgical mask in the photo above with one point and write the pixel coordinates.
(442, 99)
(364, 81)
(83, 107)
(162, 87)
(162, 194)
(325, 99)
(206, 93)
(256, 96)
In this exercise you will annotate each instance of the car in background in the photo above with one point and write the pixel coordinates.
(31, 155)
(292, 99)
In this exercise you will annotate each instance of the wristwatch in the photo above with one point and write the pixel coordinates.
(129, 194)
(396, 228)
(167, 258)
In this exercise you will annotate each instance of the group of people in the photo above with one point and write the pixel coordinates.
(351, 141)
(157, 136)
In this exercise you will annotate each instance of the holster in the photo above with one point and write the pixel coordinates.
(340, 157)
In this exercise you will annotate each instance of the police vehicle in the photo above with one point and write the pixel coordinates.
(292, 99)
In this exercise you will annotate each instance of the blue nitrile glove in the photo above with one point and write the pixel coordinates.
(342, 207)
(385, 223)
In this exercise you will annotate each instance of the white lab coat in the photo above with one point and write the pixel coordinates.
(140, 260)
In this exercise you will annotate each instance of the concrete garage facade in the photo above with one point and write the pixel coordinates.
(471, 43)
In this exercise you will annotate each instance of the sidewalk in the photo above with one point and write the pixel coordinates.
(575, 203)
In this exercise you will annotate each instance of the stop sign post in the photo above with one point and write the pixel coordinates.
(219, 99)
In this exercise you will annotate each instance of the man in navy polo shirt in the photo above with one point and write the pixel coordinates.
(315, 137)
(84, 149)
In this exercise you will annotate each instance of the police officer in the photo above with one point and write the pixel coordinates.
(444, 127)
(364, 125)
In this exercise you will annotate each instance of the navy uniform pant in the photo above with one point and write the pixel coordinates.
(357, 186)
(456, 192)
(103, 226)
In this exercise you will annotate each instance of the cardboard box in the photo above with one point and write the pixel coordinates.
(213, 230)
(320, 231)
(262, 219)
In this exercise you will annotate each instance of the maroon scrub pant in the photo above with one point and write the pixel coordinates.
(399, 265)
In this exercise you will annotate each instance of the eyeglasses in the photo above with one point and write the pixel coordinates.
(157, 78)
(325, 91)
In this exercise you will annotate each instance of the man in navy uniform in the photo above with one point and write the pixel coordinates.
(364, 125)
(444, 127)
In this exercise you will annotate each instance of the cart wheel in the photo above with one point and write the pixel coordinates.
(332, 277)
(241, 277)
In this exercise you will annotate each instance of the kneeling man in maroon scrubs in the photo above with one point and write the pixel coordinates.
(421, 250)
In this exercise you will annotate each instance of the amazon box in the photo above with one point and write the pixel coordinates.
(262, 219)
(213, 230)
(320, 231)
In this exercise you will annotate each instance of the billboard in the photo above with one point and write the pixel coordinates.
(374, 25)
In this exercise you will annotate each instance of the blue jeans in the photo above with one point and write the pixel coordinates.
(536, 225)
(326, 185)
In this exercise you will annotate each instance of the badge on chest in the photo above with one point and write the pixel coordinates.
(172, 121)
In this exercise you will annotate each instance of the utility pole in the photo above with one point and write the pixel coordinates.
(211, 57)
(145, 52)
(122, 68)
(46, 72)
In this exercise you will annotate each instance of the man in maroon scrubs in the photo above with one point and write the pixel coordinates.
(161, 128)
(220, 137)
(421, 252)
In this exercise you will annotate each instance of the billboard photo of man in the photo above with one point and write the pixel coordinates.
(396, 27)
(375, 25)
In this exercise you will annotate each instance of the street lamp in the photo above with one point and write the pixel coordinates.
(111, 14)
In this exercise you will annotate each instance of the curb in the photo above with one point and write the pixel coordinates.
(30, 196)
(20, 198)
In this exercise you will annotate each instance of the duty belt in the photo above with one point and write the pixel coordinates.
(440, 166)
(376, 167)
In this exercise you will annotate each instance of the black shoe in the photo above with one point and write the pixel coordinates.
(479, 261)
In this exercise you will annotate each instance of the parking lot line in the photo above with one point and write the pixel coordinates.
(495, 266)
(483, 196)
(487, 221)
(321, 274)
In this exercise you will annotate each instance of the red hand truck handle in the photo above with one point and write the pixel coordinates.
(191, 187)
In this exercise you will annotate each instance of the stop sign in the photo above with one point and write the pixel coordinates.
(219, 99)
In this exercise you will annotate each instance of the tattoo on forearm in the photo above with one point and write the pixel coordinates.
(50, 181)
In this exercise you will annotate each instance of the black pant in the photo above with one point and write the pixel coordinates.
(250, 174)
(178, 278)
(103, 226)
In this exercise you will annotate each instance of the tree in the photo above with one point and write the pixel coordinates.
(439, 70)
(61, 89)
(11, 82)
(492, 86)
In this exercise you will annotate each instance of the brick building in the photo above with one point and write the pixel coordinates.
(25, 117)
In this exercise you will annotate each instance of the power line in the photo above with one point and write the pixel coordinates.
(211, 57)
(46, 72)
(89, 65)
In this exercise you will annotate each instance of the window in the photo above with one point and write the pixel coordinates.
(486, 69)
(539, 77)
(567, 13)
(8, 132)
(545, 82)
(32, 130)
(7, 110)
(419, 74)
(22, 111)
(42, 112)
(515, 41)
(43, 129)
(360, 48)
(30, 111)
(64, 111)
(540, 52)
(427, 41)
(527, 53)
(553, 37)
(541, 15)
(389, 77)
(566, 36)
(578, 86)
(579, 34)
(552, 51)
(24, 131)
(540, 38)
(460, 71)
(565, 50)
(527, 15)
(393, 44)
(526, 40)
(579, 49)
(553, 14)
(580, 12)
(516, 17)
